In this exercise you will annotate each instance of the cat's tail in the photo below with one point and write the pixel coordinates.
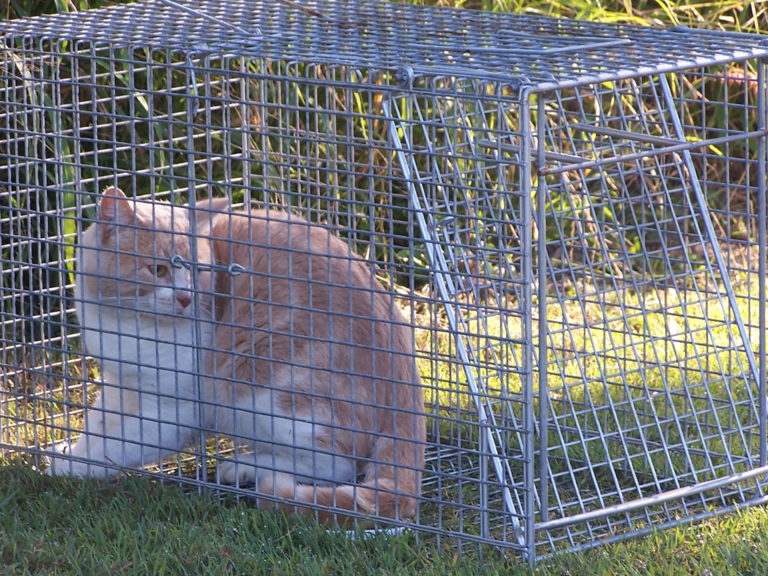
(387, 491)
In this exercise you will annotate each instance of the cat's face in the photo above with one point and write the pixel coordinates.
(125, 258)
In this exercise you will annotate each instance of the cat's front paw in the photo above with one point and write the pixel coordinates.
(59, 462)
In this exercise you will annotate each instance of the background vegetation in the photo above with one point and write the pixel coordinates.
(734, 15)
(62, 526)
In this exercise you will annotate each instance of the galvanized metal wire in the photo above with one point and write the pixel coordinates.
(571, 214)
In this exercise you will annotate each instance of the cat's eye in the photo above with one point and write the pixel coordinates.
(158, 270)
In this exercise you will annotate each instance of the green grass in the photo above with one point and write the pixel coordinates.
(134, 526)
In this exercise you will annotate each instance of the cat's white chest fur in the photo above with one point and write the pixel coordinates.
(143, 351)
(149, 367)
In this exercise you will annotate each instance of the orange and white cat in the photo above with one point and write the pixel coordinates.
(302, 357)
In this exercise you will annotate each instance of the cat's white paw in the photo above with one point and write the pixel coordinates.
(63, 467)
(58, 464)
(55, 465)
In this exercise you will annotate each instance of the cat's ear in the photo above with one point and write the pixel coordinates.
(213, 205)
(115, 209)
(206, 211)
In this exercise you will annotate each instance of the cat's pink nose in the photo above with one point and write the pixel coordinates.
(183, 298)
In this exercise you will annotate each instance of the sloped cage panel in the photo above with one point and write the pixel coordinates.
(652, 309)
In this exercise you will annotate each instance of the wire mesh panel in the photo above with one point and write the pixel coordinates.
(654, 383)
(476, 225)
(552, 231)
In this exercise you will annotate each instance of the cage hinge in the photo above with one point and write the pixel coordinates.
(404, 77)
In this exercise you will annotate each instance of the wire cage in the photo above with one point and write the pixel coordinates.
(570, 215)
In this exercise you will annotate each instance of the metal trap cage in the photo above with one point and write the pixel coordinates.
(571, 215)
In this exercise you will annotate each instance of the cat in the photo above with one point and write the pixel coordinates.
(309, 363)
(137, 319)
